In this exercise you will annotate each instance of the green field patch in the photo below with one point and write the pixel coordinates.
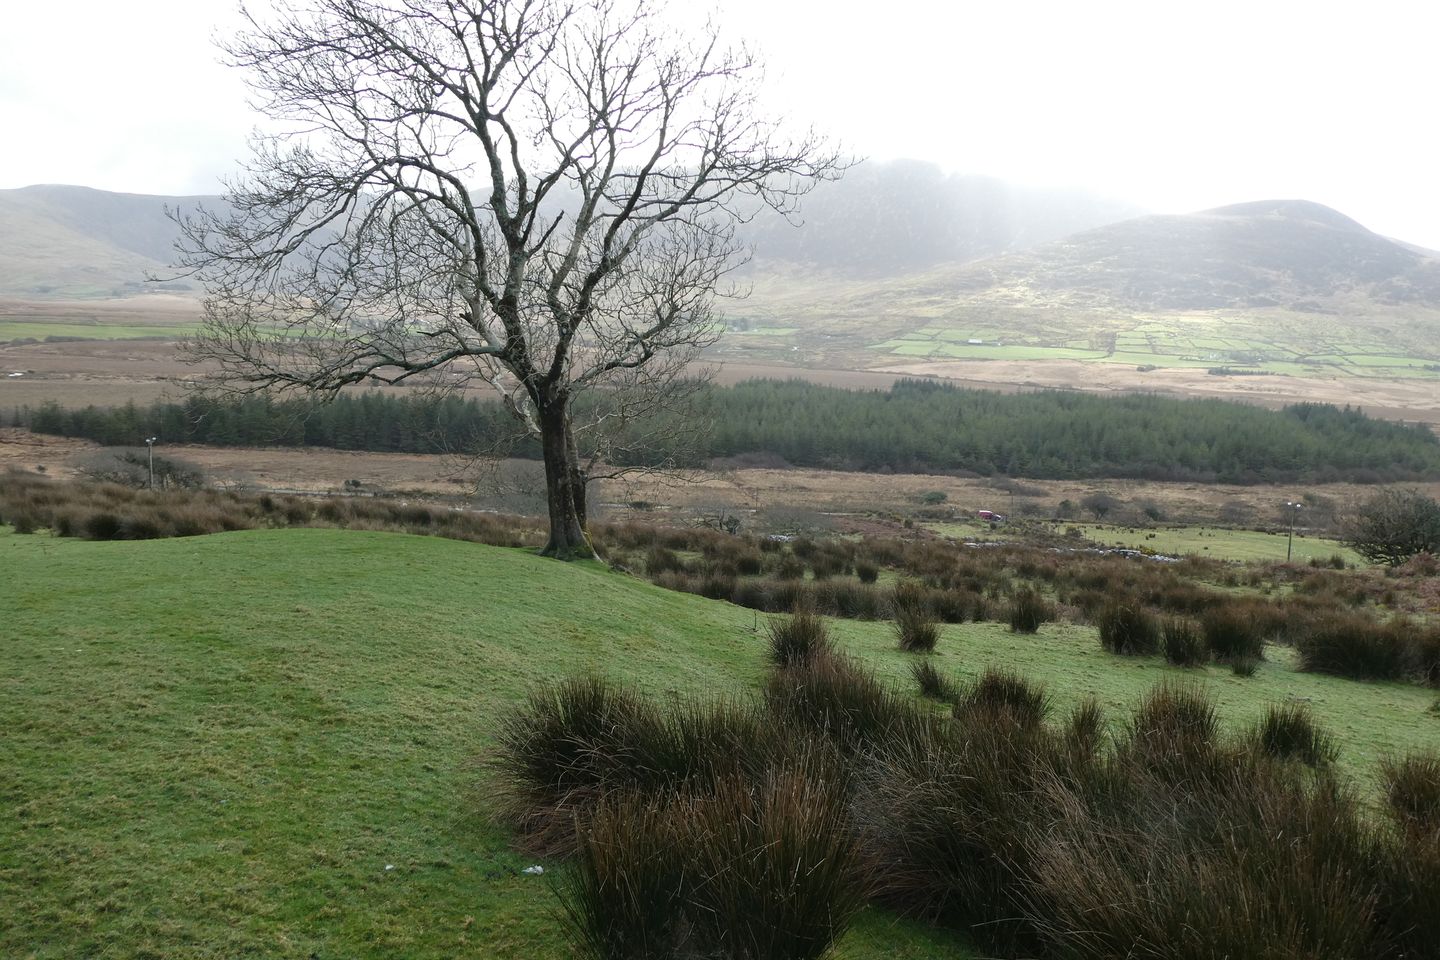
(1373, 360)
(1221, 543)
(264, 743)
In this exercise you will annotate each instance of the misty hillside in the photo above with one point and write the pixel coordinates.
(65, 241)
(1273, 253)
(892, 218)
(881, 220)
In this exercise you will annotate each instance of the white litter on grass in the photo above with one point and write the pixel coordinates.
(389, 866)
(534, 871)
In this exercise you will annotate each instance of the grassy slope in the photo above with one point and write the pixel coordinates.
(215, 746)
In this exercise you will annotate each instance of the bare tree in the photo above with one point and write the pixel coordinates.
(1394, 525)
(539, 194)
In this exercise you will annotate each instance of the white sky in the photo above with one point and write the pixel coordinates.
(1174, 106)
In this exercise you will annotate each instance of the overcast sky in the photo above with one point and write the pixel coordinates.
(1174, 106)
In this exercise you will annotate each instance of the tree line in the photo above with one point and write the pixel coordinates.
(916, 426)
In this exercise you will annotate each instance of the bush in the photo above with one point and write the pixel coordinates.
(1184, 644)
(797, 638)
(1231, 633)
(1028, 610)
(1128, 629)
(1290, 733)
(866, 571)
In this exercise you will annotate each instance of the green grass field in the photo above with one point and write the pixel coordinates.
(264, 743)
(1217, 542)
(40, 329)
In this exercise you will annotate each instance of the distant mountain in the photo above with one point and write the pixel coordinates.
(1271, 253)
(882, 219)
(903, 216)
(66, 241)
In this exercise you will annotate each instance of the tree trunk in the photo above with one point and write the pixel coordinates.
(564, 483)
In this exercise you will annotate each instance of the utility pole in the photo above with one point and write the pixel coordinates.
(150, 446)
(1292, 509)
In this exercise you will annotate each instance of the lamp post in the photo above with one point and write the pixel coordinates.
(150, 446)
(1292, 509)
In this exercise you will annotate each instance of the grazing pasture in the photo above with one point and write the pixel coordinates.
(265, 742)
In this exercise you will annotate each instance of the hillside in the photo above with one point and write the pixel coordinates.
(66, 241)
(906, 216)
(882, 219)
(1283, 287)
(1281, 253)
(262, 743)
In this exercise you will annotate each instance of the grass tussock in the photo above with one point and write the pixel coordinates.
(933, 684)
(1128, 630)
(797, 638)
(1291, 732)
(1028, 611)
(1184, 645)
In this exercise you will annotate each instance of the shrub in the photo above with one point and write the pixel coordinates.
(1351, 645)
(866, 571)
(1290, 732)
(1128, 629)
(797, 638)
(1231, 633)
(932, 682)
(1028, 610)
(1184, 645)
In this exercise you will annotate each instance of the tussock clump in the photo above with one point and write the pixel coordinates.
(1005, 696)
(626, 891)
(1412, 789)
(1231, 633)
(1184, 644)
(797, 638)
(1173, 733)
(1128, 629)
(1028, 610)
(866, 571)
(837, 700)
(777, 872)
(1355, 646)
(1290, 732)
(916, 629)
(932, 683)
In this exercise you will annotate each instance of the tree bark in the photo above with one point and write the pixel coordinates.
(564, 483)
